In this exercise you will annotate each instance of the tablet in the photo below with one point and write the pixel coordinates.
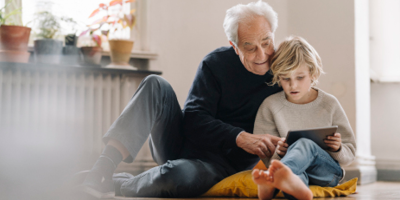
(318, 135)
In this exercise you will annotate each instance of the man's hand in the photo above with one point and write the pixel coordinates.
(282, 147)
(334, 142)
(261, 145)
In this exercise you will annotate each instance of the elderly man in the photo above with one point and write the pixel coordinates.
(211, 138)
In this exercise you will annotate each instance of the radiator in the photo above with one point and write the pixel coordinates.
(53, 107)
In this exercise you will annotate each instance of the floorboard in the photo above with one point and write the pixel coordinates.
(374, 191)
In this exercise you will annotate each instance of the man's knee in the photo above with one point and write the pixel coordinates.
(155, 80)
(157, 85)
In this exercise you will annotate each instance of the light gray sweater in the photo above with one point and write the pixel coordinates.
(276, 116)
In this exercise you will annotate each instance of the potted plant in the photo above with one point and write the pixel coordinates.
(70, 27)
(14, 38)
(116, 21)
(71, 39)
(47, 49)
(91, 50)
(71, 54)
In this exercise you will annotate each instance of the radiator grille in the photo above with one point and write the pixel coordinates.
(52, 107)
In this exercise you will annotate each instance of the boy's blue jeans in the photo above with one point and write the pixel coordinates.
(312, 164)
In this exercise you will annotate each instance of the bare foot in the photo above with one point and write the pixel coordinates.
(265, 184)
(285, 180)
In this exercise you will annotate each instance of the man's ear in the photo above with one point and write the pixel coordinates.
(234, 47)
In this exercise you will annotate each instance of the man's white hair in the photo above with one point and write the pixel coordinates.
(241, 12)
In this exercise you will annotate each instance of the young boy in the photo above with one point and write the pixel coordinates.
(296, 66)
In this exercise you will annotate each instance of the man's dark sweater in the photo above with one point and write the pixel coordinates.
(222, 102)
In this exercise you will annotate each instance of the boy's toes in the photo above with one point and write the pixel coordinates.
(256, 173)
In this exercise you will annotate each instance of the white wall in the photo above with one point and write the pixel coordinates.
(385, 48)
(385, 123)
(385, 95)
(329, 27)
(183, 32)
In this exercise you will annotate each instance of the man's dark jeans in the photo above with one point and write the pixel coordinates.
(154, 113)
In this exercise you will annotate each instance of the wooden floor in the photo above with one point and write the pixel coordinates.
(378, 190)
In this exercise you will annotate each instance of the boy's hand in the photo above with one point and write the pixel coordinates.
(334, 142)
(282, 147)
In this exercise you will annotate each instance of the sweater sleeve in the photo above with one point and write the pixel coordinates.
(347, 152)
(201, 124)
(265, 124)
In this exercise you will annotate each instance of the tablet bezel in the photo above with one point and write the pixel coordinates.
(315, 134)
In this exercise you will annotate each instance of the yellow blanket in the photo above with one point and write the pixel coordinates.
(242, 185)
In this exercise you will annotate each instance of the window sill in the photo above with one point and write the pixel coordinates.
(138, 59)
(138, 55)
(73, 68)
(134, 54)
(376, 78)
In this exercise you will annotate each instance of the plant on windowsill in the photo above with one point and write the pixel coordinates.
(70, 27)
(71, 54)
(112, 23)
(14, 37)
(92, 50)
(46, 48)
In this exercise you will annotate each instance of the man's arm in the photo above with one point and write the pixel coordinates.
(202, 126)
(200, 123)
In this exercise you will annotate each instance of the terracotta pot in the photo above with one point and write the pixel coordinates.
(14, 56)
(48, 51)
(120, 51)
(14, 38)
(14, 43)
(91, 55)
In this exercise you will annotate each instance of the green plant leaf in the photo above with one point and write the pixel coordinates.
(4, 16)
(48, 24)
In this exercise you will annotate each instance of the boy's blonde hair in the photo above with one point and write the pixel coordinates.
(291, 54)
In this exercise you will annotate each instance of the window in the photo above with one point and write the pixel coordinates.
(79, 11)
(385, 40)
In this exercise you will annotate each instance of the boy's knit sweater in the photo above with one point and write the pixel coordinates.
(276, 116)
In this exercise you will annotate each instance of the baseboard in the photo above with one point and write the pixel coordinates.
(363, 168)
(365, 174)
(388, 175)
(388, 170)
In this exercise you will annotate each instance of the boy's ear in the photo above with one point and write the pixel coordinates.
(234, 47)
(313, 79)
